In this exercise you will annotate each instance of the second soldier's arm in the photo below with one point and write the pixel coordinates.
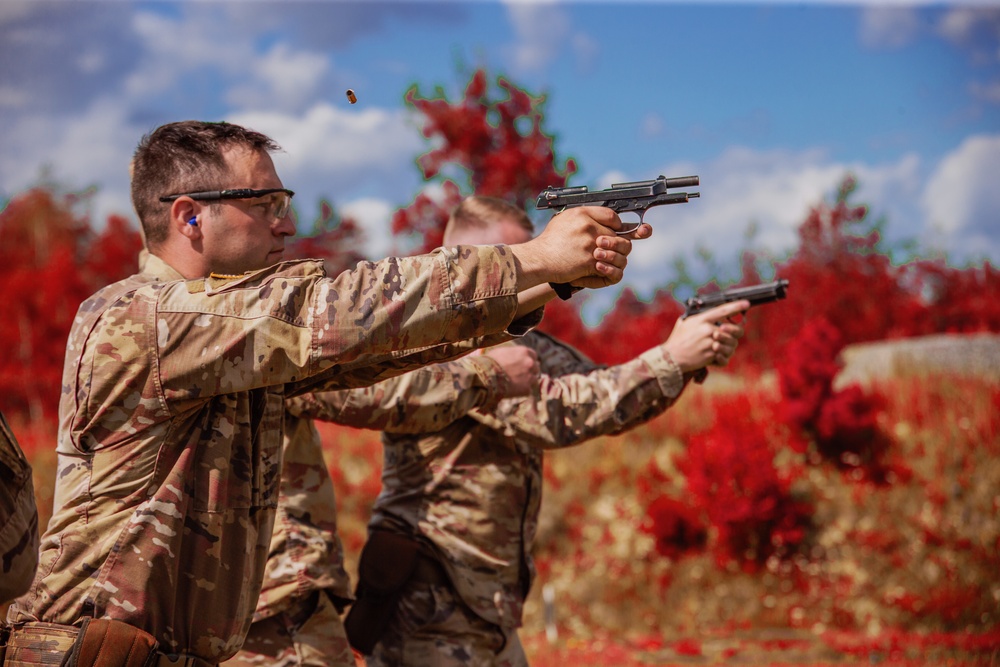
(578, 400)
(424, 400)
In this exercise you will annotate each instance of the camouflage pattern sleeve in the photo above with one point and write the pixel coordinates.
(578, 399)
(294, 325)
(369, 369)
(18, 518)
(421, 401)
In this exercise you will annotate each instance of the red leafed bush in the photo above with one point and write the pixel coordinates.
(842, 424)
(498, 141)
(807, 371)
(732, 478)
(562, 320)
(839, 272)
(52, 259)
(654, 320)
(335, 240)
(426, 217)
(676, 527)
(847, 429)
(958, 300)
(492, 135)
(688, 646)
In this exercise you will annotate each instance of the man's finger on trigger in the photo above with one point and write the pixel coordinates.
(727, 310)
(643, 231)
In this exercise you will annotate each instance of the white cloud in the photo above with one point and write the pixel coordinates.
(960, 24)
(332, 153)
(889, 26)
(587, 50)
(282, 78)
(91, 148)
(771, 190)
(651, 125)
(543, 32)
(988, 92)
(375, 217)
(178, 50)
(962, 200)
(12, 97)
(11, 11)
(541, 28)
(337, 141)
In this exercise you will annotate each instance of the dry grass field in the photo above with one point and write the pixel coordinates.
(903, 571)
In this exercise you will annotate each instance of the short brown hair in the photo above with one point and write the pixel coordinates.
(186, 156)
(477, 212)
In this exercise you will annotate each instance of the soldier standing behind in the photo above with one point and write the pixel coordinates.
(175, 385)
(447, 566)
(421, 407)
(297, 620)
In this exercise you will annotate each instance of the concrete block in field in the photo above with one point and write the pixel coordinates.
(975, 355)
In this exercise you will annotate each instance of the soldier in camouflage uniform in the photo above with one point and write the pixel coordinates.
(176, 379)
(305, 583)
(467, 491)
(18, 518)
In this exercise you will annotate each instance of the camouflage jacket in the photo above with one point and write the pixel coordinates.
(306, 553)
(18, 518)
(470, 488)
(170, 430)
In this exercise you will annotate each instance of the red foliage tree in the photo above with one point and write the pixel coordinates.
(843, 424)
(840, 273)
(959, 300)
(732, 479)
(632, 327)
(495, 137)
(676, 527)
(52, 260)
(336, 240)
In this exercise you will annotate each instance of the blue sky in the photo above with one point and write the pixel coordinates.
(770, 104)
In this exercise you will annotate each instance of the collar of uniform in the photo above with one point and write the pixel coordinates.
(156, 269)
(295, 268)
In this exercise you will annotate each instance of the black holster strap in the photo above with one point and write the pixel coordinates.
(388, 562)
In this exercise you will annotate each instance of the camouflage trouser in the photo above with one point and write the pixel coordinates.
(309, 636)
(433, 628)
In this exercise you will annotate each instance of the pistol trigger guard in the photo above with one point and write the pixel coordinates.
(632, 226)
(629, 227)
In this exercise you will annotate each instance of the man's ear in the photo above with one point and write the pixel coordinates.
(184, 219)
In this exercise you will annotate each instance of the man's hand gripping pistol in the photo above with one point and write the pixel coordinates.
(636, 197)
(755, 294)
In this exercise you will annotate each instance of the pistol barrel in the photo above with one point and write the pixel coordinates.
(682, 182)
(634, 196)
(755, 294)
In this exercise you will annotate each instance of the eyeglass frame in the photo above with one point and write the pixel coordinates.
(237, 193)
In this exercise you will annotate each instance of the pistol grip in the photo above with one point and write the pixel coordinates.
(564, 290)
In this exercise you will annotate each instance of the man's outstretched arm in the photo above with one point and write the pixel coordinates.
(428, 399)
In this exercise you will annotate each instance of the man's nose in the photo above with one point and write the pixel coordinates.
(285, 226)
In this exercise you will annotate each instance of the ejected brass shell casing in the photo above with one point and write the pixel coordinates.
(351, 96)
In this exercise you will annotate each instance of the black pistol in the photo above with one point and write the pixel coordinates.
(755, 294)
(636, 197)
